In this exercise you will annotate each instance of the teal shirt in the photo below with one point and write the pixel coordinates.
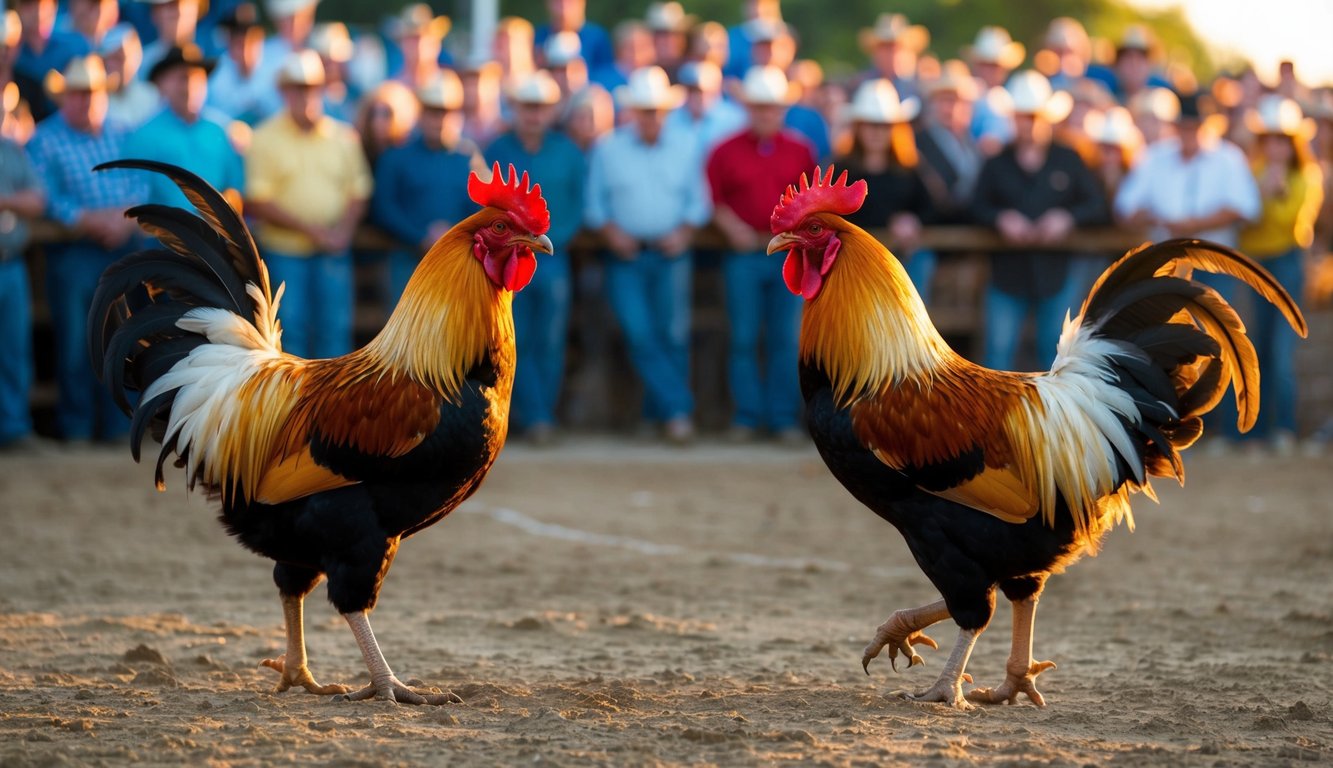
(201, 147)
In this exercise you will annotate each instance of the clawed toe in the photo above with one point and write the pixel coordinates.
(942, 692)
(300, 677)
(393, 689)
(896, 635)
(1014, 684)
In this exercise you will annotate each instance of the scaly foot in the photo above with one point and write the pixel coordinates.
(946, 692)
(1016, 680)
(393, 689)
(300, 676)
(897, 634)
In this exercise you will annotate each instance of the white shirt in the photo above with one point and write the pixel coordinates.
(646, 189)
(1172, 188)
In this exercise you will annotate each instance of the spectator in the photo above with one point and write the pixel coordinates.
(670, 27)
(951, 159)
(1134, 70)
(564, 62)
(293, 21)
(591, 116)
(421, 186)
(571, 16)
(884, 153)
(710, 117)
(541, 312)
(182, 133)
(385, 119)
(634, 50)
(1070, 52)
(992, 56)
(1035, 192)
(1291, 187)
(177, 25)
(513, 49)
(307, 183)
(1155, 112)
(894, 46)
(709, 42)
(646, 197)
(738, 46)
(92, 19)
(242, 86)
(17, 122)
(775, 46)
(130, 99)
(1116, 145)
(22, 199)
(333, 43)
(747, 173)
(483, 116)
(42, 48)
(64, 151)
(419, 35)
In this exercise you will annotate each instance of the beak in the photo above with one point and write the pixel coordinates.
(540, 244)
(782, 242)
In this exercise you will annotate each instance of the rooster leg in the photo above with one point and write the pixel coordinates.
(949, 687)
(383, 683)
(292, 664)
(1021, 670)
(900, 631)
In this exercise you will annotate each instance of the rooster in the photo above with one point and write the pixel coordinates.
(321, 465)
(997, 478)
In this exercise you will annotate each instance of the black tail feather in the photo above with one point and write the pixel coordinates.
(156, 322)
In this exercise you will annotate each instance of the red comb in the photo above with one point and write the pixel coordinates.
(525, 204)
(824, 196)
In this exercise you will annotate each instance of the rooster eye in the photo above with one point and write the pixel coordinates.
(814, 228)
(499, 226)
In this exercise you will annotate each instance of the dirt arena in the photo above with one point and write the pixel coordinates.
(604, 603)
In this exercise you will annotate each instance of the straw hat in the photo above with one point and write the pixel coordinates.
(893, 28)
(83, 73)
(876, 101)
(1114, 126)
(536, 88)
(993, 45)
(1278, 115)
(442, 91)
(667, 17)
(766, 85)
(331, 40)
(187, 56)
(283, 8)
(419, 19)
(954, 77)
(650, 88)
(10, 28)
(1030, 93)
(301, 68)
(562, 48)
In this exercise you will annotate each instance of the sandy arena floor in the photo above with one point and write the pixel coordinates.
(611, 604)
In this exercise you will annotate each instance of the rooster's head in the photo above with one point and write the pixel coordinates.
(514, 225)
(806, 224)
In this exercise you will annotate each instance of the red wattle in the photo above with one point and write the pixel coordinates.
(525, 266)
(791, 271)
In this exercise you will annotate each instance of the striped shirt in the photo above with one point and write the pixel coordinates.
(64, 160)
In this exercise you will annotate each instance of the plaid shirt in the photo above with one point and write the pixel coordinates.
(64, 159)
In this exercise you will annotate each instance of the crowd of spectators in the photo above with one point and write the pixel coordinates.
(643, 134)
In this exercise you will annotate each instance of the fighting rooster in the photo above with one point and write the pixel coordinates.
(322, 465)
(997, 478)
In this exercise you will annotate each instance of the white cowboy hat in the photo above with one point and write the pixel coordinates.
(10, 28)
(1136, 38)
(442, 91)
(1161, 103)
(1030, 93)
(765, 30)
(302, 67)
(1114, 126)
(954, 77)
(419, 19)
(537, 88)
(332, 40)
(876, 101)
(993, 45)
(766, 85)
(650, 88)
(83, 73)
(704, 75)
(283, 8)
(562, 48)
(667, 17)
(1275, 114)
(893, 28)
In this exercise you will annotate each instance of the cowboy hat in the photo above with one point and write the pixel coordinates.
(442, 91)
(562, 49)
(1030, 93)
(766, 85)
(765, 30)
(331, 40)
(954, 77)
(301, 68)
(1114, 126)
(419, 19)
(704, 75)
(10, 28)
(83, 73)
(536, 88)
(876, 101)
(1281, 116)
(667, 17)
(186, 56)
(1136, 38)
(284, 8)
(893, 28)
(993, 45)
(650, 88)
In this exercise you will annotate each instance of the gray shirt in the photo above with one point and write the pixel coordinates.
(16, 175)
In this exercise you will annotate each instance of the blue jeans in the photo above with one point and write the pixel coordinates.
(920, 268)
(1006, 313)
(758, 299)
(15, 350)
(84, 408)
(1275, 342)
(650, 297)
(541, 329)
(317, 305)
(402, 263)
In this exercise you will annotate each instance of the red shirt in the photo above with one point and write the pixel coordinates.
(749, 176)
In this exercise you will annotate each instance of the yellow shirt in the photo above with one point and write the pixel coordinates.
(1286, 222)
(312, 175)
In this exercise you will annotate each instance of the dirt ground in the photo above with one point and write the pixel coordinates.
(604, 603)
